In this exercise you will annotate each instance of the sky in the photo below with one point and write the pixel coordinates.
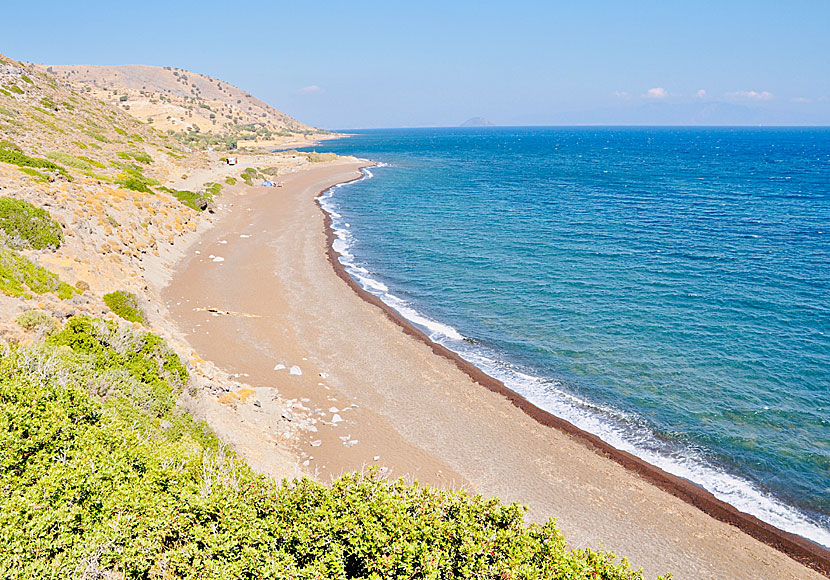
(340, 65)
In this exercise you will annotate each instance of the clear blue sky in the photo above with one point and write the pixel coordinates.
(394, 64)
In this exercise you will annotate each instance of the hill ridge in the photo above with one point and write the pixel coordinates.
(200, 110)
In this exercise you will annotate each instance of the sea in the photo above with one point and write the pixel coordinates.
(667, 289)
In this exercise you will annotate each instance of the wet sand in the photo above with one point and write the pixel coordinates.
(414, 409)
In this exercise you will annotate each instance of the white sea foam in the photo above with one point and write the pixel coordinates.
(622, 430)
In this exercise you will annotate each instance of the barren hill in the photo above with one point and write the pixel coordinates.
(200, 110)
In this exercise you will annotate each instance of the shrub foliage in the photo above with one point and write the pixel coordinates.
(102, 476)
(28, 226)
(10, 153)
(125, 304)
(21, 277)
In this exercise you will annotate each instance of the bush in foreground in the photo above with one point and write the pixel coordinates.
(103, 477)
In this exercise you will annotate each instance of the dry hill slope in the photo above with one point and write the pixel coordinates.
(200, 110)
(101, 175)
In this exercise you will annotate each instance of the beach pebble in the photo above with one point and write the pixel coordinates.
(316, 443)
(324, 376)
(353, 442)
(288, 415)
(244, 236)
(306, 462)
(336, 419)
(377, 458)
(218, 259)
(279, 367)
(223, 241)
(257, 403)
(295, 370)
(334, 410)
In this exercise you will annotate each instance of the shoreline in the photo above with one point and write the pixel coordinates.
(798, 548)
(428, 416)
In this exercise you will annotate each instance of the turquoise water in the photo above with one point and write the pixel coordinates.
(666, 289)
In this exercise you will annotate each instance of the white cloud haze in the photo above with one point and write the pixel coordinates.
(750, 95)
(656, 93)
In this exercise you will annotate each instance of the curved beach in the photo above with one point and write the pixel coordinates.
(384, 397)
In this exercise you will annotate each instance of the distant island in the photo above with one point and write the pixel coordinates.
(478, 122)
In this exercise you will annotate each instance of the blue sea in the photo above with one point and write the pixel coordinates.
(667, 289)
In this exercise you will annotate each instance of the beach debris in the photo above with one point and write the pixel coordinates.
(305, 400)
(334, 410)
(295, 370)
(377, 458)
(218, 259)
(279, 367)
(336, 418)
(223, 241)
(288, 415)
(316, 443)
(217, 311)
(306, 463)
(257, 403)
(324, 375)
(198, 252)
(244, 235)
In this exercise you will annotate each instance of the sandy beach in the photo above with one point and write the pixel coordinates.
(383, 396)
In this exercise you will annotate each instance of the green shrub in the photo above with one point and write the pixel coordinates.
(197, 201)
(212, 189)
(28, 226)
(26, 79)
(10, 153)
(138, 156)
(34, 173)
(133, 178)
(21, 277)
(38, 321)
(15, 89)
(125, 304)
(92, 162)
(230, 180)
(97, 136)
(69, 160)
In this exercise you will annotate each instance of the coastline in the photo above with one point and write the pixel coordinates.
(645, 529)
(796, 547)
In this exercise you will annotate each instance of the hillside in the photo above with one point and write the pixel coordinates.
(198, 109)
